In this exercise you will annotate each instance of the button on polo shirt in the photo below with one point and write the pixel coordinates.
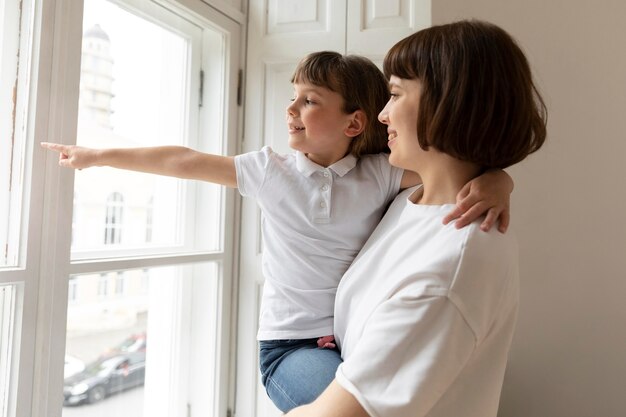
(323, 179)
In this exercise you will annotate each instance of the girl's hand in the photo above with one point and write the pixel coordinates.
(326, 342)
(73, 156)
(488, 194)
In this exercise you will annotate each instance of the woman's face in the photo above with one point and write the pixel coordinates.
(400, 116)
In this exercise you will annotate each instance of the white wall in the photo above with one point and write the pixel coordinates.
(569, 354)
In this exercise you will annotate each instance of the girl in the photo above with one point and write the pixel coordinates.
(425, 315)
(319, 206)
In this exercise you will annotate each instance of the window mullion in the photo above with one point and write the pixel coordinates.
(121, 263)
(54, 91)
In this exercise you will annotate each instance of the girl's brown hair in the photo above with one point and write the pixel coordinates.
(478, 100)
(362, 86)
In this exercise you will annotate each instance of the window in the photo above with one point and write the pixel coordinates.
(72, 290)
(12, 113)
(80, 249)
(7, 318)
(114, 219)
(148, 220)
(103, 285)
(119, 283)
(15, 274)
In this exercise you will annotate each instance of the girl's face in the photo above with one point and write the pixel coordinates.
(400, 116)
(318, 125)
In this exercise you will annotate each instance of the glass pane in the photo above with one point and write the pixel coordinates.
(11, 131)
(109, 369)
(133, 90)
(106, 341)
(7, 319)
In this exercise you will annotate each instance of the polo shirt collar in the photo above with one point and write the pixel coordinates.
(308, 167)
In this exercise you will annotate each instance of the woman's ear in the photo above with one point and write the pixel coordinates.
(358, 120)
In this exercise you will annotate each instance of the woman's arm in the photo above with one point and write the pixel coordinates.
(335, 401)
(171, 161)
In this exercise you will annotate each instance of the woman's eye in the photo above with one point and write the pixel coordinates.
(307, 101)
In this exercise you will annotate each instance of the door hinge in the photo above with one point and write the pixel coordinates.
(239, 87)
(201, 88)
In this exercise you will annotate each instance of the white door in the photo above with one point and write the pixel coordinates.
(280, 33)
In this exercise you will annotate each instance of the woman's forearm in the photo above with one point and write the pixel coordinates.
(335, 401)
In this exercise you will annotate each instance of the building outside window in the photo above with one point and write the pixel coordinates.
(114, 219)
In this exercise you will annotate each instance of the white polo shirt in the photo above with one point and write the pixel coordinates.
(425, 315)
(315, 220)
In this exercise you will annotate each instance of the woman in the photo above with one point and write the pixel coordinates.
(425, 315)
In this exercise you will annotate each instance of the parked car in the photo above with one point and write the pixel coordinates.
(72, 366)
(104, 377)
(134, 343)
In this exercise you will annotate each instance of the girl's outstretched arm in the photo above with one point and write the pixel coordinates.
(171, 161)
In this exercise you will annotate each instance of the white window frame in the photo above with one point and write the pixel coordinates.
(48, 100)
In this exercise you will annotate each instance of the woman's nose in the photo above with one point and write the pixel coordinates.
(382, 116)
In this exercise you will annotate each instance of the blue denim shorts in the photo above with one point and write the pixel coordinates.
(294, 372)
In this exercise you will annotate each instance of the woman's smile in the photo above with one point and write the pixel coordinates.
(391, 137)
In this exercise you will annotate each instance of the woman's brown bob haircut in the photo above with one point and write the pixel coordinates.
(362, 86)
(478, 100)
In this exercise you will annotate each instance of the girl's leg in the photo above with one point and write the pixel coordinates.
(297, 372)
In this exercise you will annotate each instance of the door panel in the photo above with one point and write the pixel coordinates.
(280, 33)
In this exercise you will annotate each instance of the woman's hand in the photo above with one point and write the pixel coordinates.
(488, 194)
(335, 401)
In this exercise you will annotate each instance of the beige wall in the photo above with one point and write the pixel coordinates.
(569, 208)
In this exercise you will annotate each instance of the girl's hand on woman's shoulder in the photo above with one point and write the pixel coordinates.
(490, 195)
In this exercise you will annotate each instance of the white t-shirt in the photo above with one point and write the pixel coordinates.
(425, 315)
(315, 221)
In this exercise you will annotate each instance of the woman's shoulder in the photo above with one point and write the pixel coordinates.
(486, 277)
(480, 245)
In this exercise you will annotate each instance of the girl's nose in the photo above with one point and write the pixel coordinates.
(291, 109)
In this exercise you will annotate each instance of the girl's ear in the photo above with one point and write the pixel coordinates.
(358, 120)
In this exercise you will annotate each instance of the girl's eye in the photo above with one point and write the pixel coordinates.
(306, 101)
